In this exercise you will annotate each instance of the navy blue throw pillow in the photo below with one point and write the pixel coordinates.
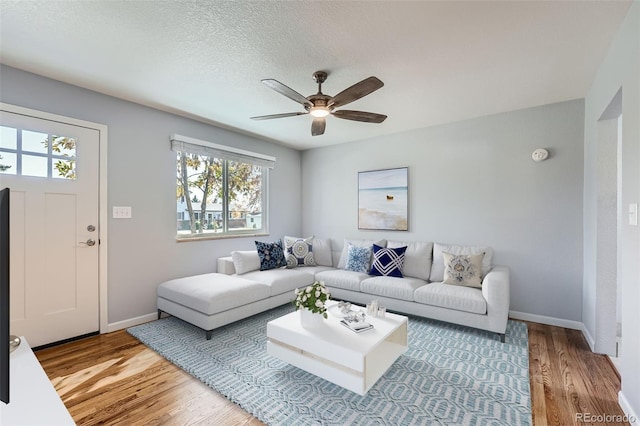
(271, 255)
(388, 261)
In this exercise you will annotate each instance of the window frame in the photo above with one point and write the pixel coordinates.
(189, 145)
(20, 153)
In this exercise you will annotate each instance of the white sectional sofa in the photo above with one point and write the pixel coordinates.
(240, 289)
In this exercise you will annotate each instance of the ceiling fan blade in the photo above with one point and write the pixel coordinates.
(369, 117)
(356, 92)
(286, 114)
(287, 91)
(318, 126)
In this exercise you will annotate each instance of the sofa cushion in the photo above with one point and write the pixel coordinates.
(460, 269)
(313, 270)
(322, 251)
(437, 268)
(342, 263)
(339, 278)
(395, 288)
(245, 261)
(299, 252)
(213, 293)
(281, 280)
(271, 255)
(417, 258)
(467, 299)
(388, 261)
(359, 259)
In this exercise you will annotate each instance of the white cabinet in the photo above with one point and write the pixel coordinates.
(33, 399)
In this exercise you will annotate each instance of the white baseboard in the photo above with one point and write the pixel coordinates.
(558, 322)
(627, 409)
(131, 322)
(590, 340)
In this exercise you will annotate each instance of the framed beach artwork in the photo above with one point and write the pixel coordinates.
(383, 199)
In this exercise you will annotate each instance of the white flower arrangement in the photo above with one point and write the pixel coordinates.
(312, 298)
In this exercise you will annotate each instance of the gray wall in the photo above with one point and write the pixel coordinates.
(619, 70)
(474, 183)
(141, 173)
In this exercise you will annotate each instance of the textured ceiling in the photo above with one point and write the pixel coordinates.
(440, 61)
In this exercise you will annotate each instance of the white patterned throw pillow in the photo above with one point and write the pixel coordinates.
(437, 268)
(465, 270)
(299, 252)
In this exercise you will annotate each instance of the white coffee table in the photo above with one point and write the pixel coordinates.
(354, 361)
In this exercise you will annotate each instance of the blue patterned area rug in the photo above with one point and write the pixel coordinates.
(450, 375)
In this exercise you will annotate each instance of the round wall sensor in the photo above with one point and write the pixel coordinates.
(540, 154)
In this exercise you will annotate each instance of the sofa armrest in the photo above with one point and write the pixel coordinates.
(225, 265)
(496, 291)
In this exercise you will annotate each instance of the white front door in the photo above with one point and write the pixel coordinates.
(52, 169)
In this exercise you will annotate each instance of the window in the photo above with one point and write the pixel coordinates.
(28, 153)
(221, 190)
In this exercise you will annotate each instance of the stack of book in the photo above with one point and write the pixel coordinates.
(356, 325)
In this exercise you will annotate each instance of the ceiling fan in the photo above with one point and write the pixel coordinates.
(321, 105)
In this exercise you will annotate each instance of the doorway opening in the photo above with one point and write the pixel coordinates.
(608, 339)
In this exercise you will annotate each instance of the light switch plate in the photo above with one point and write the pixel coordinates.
(122, 212)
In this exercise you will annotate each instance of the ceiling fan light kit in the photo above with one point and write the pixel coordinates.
(319, 112)
(320, 105)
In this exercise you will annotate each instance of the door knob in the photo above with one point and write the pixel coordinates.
(90, 242)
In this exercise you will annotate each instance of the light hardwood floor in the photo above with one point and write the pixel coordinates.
(115, 379)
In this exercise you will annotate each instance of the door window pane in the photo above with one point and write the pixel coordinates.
(34, 142)
(34, 166)
(63, 169)
(8, 163)
(63, 145)
(8, 137)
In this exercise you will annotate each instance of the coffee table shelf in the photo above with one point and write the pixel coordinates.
(354, 361)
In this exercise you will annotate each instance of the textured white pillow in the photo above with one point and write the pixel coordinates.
(437, 268)
(322, 251)
(464, 270)
(245, 261)
(358, 243)
(417, 258)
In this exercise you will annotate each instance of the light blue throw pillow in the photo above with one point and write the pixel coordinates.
(358, 259)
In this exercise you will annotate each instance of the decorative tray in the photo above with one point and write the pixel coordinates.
(341, 309)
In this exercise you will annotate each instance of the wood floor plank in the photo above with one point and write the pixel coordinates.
(114, 379)
(566, 371)
(536, 379)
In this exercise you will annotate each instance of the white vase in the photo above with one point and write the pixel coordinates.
(310, 320)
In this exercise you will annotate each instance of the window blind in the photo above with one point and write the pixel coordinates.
(181, 143)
